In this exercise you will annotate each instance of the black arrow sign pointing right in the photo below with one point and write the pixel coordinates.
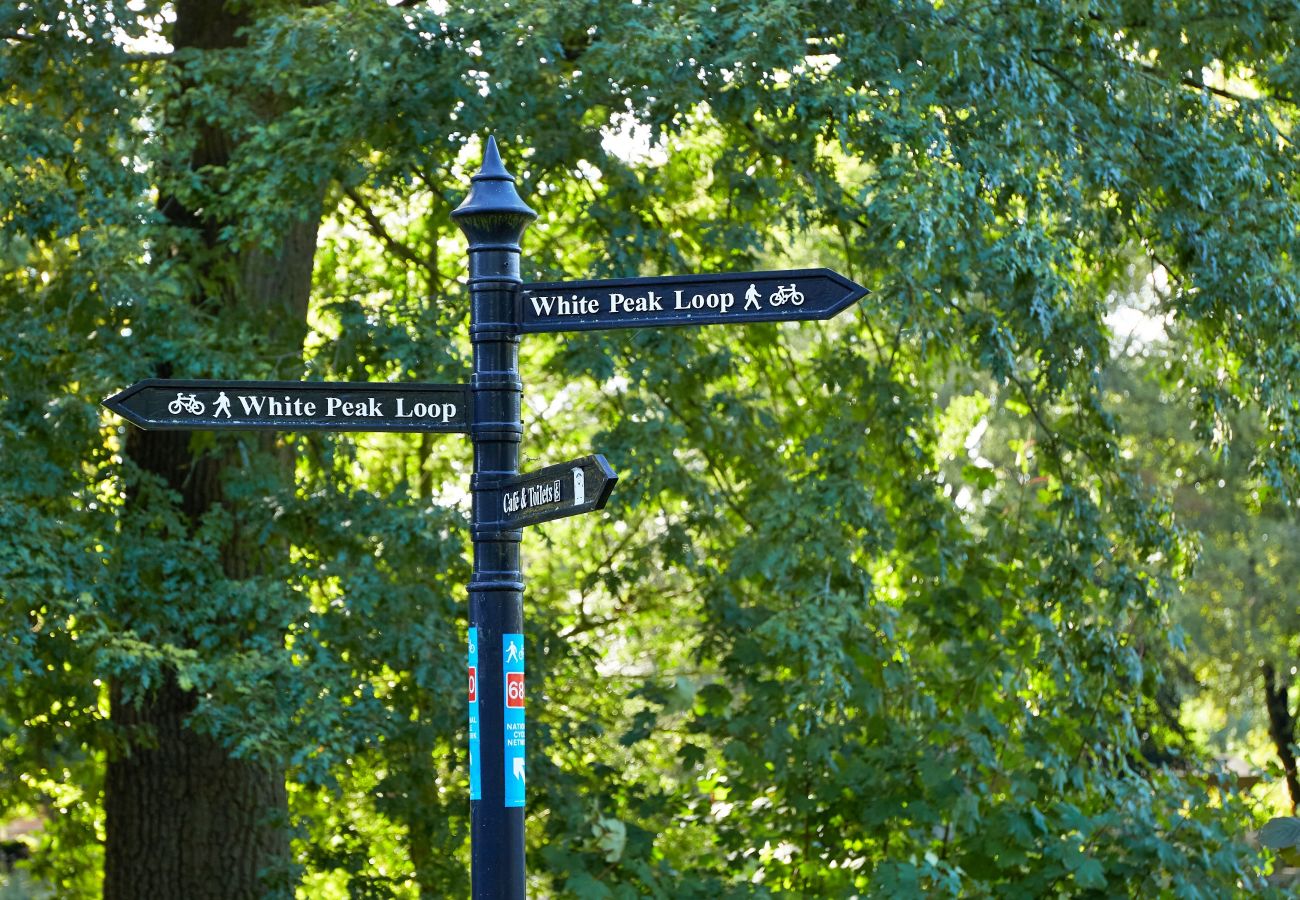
(554, 492)
(734, 298)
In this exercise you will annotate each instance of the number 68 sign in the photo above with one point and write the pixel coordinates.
(515, 689)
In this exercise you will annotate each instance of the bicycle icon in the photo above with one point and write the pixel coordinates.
(188, 402)
(786, 293)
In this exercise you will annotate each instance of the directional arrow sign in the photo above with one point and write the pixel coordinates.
(785, 296)
(565, 489)
(167, 404)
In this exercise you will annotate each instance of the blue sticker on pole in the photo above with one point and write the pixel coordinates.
(475, 779)
(512, 665)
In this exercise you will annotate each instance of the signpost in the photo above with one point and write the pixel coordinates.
(493, 218)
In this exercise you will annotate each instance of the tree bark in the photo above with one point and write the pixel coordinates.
(1281, 727)
(183, 818)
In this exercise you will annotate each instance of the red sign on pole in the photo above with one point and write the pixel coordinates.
(515, 689)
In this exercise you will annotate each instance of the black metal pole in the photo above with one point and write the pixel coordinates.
(493, 219)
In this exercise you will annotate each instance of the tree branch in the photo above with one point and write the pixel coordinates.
(397, 248)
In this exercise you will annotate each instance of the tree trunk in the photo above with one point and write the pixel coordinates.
(1281, 727)
(185, 819)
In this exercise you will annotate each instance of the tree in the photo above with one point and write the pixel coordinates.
(196, 589)
(807, 652)
(1236, 608)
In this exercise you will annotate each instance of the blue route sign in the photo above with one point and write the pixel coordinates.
(475, 766)
(512, 665)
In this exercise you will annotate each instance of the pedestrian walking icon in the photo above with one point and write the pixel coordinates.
(514, 653)
(751, 298)
(223, 406)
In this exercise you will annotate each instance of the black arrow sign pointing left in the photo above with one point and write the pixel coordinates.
(178, 404)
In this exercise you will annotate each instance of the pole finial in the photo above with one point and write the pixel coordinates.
(493, 210)
(492, 166)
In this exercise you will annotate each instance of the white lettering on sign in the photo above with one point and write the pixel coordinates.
(648, 303)
(685, 300)
(573, 305)
(274, 406)
(337, 407)
(531, 495)
(443, 412)
(353, 410)
(722, 302)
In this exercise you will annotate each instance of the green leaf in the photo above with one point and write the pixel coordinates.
(1280, 833)
(584, 887)
(1090, 874)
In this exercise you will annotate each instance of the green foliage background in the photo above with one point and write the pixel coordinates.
(814, 646)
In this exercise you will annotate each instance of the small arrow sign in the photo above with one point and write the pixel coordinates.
(554, 492)
(177, 404)
(783, 296)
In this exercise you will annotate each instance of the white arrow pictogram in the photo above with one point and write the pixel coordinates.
(519, 768)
